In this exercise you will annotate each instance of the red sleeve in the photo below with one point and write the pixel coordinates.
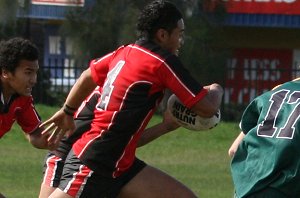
(181, 83)
(99, 69)
(27, 117)
(193, 100)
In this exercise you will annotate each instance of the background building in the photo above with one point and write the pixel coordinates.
(261, 35)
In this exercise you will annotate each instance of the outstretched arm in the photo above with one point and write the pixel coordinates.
(235, 144)
(62, 122)
(39, 140)
(167, 125)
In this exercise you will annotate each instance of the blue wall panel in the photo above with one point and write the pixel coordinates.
(44, 12)
(263, 20)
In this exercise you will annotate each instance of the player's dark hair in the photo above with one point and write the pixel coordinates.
(14, 50)
(157, 14)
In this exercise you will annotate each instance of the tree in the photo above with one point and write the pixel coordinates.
(8, 10)
(204, 41)
(103, 26)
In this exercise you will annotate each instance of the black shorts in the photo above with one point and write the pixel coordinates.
(55, 160)
(52, 171)
(80, 181)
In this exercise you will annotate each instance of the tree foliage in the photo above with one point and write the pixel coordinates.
(8, 10)
(106, 24)
(203, 52)
(101, 26)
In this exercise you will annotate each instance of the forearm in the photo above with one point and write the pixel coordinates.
(235, 144)
(37, 139)
(62, 123)
(81, 89)
(152, 133)
(39, 143)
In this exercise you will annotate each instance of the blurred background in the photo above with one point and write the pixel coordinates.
(248, 46)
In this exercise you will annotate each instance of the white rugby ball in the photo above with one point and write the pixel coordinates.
(188, 119)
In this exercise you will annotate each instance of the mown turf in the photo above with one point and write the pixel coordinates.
(198, 159)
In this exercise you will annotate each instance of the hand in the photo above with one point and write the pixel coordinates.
(169, 122)
(59, 125)
(40, 141)
(231, 151)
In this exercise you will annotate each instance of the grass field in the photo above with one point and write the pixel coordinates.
(199, 160)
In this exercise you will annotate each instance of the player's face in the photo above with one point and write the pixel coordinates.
(175, 38)
(24, 78)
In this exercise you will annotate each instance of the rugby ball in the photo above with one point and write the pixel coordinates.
(188, 119)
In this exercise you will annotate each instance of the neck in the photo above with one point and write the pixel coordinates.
(6, 92)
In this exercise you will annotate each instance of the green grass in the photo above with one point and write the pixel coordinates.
(21, 164)
(197, 159)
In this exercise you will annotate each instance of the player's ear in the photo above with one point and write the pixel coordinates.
(4, 73)
(161, 35)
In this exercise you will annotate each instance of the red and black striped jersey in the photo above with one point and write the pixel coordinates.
(133, 79)
(83, 119)
(20, 109)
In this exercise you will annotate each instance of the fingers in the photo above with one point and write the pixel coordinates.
(60, 135)
(54, 139)
(54, 134)
(46, 123)
(59, 126)
(49, 128)
(230, 153)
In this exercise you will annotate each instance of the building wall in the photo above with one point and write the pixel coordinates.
(261, 59)
(259, 37)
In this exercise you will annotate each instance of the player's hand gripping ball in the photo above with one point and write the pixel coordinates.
(189, 119)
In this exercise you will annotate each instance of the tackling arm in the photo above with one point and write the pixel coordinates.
(62, 122)
(235, 144)
(39, 140)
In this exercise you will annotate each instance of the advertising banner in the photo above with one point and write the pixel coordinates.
(289, 7)
(251, 72)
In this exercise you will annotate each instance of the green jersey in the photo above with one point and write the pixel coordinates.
(269, 155)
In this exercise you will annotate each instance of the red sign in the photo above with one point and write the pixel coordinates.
(254, 71)
(290, 7)
(59, 2)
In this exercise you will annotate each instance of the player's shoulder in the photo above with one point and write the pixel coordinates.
(287, 84)
(296, 80)
(153, 50)
(23, 100)
(18, 102)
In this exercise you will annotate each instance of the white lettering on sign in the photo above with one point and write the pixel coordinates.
(243, 94)
(250, 93)
(264, 1)
(261, 69)
(231, 63)
(228, 94)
